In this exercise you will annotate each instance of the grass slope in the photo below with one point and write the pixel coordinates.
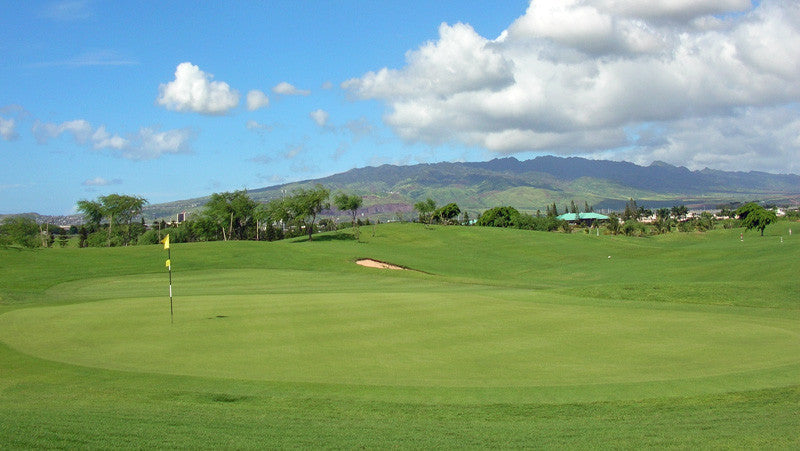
(503, 338)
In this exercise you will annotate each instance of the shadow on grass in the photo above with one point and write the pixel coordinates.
(336, 236)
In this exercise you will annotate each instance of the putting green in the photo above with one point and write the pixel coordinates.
(465, 336)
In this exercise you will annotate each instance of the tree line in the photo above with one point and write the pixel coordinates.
(112, 220)
(235, 215)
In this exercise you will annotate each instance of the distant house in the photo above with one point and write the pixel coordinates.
(583, 218)
(182, 217)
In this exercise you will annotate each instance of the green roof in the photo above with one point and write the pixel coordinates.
(580, 216)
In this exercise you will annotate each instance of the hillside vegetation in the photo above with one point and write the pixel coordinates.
(532, 185)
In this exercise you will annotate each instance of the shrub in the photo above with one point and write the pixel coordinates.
(498, 217)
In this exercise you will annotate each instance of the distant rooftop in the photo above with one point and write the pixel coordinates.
(581, 216)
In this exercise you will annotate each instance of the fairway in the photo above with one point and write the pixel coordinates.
(529, 326)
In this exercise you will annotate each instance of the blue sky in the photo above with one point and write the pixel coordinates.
(172, 100)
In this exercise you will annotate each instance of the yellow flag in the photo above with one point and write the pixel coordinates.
(166, 241)
(168, 264)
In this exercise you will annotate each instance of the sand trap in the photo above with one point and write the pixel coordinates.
(370, 263)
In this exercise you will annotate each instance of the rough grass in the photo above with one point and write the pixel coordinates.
(274, 344)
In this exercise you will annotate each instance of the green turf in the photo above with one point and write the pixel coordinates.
(503, 338)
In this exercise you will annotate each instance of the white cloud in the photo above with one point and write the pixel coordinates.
(673, 10)
(194, 91)
(101, 139)
(8, 129)
(80, 130)
(769, 136)
(571, 76)
(320, 117)
(256, 99)
(148, 143)
(83, 133)
(327, 85)
(287, 89)
(460, 61)
(100, 181)
(152, 143)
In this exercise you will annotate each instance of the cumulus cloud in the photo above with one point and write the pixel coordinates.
(8, 129)
(195, 91)
(459, 62)
(147, 143)
(573, 76)
(320, 117)
(80, 129)
(100, 181)
(256, 99)
(726, 143)
(101, 139)
(286, 89)
(152, 143)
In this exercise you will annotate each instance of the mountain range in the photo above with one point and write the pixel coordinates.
(389, 191)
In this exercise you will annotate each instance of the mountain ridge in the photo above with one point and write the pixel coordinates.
(391, 190)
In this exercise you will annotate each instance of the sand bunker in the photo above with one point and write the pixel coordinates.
(370, 263)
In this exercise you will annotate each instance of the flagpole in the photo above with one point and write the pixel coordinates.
(169, 268)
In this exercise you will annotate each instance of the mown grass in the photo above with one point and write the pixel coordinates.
(81, 383)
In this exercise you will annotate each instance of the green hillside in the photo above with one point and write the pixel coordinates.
(494, 338)
(533, 185)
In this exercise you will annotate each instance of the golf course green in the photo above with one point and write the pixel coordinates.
(490, 338)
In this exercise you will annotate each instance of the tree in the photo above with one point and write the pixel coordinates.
(498, 217)
(20, 230)
(118, 209)
(613, 225)
(663, 222)
(631, 211)
(351, 203)
(261, 215)
(679, 211)
(426, 209)
(121, 209)
(63, 239)
(306, 204)
(447, 214)
(705, 222)
(92, 211)
(754, 216)
(278, 211)
(233, 214)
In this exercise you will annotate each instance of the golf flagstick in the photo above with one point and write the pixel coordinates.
(169, 268)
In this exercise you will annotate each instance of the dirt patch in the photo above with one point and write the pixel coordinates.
(371, 263)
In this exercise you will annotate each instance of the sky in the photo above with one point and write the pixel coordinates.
(181, 99)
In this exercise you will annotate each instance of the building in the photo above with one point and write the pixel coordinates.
(583, 218)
